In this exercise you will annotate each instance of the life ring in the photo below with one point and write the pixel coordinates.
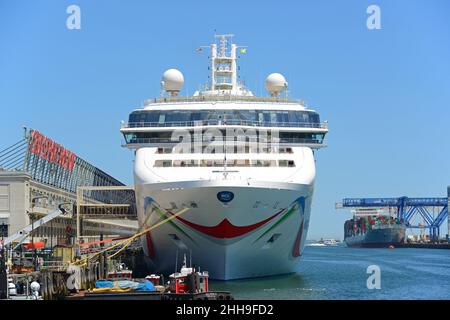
(69, 229)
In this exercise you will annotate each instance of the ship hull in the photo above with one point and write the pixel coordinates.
(377, 238)
(260, 232)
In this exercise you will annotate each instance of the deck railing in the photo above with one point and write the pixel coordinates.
(223, 98)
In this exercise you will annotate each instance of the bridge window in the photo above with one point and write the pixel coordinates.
(212, 117)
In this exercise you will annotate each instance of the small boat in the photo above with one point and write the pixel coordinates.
(120, 272)
(324, 243)
(154, 278)
(188, 280)
(317, 244)
(330, 242)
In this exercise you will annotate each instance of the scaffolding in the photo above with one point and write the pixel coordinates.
(121, 204)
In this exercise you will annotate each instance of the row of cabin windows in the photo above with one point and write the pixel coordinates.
(235, 149)
(221, 162)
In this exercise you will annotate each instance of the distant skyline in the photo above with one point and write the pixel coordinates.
(385, 93)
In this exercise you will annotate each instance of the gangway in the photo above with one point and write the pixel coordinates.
(121, 205)
(406, 208)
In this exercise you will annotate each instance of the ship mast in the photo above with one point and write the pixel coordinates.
(223, 64)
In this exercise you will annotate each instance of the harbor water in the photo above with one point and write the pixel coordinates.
(338, 272)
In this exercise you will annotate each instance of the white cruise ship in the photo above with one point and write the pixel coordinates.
(237, 170)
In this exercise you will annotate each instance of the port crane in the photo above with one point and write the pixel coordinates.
(406, 208)
(22, 234)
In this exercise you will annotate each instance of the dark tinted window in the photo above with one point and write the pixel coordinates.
(240, 117)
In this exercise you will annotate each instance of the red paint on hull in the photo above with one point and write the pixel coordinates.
(225, 229)
(150, 247)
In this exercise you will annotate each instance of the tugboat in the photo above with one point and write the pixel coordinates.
(188, 280)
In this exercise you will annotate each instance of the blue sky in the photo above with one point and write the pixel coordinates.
(385, 93)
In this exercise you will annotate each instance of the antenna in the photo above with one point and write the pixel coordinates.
(185, 261)
(161, 89)
(176, 260)
(172, 81)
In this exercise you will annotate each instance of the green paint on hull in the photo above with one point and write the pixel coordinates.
(283, 218)
(173, 224)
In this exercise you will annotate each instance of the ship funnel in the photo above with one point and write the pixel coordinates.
(172, 81)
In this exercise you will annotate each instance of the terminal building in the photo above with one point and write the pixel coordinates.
(37, 175)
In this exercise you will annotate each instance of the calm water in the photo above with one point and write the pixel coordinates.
(340, 273)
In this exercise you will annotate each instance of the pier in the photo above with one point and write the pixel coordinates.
(55, 208)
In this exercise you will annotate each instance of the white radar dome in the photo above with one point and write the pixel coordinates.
(275, 83)
(172, 81)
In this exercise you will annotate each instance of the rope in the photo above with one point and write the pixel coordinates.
(102, 241)
(128, 241)
(131, 239)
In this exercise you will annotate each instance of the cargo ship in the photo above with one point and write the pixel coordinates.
(377, 231)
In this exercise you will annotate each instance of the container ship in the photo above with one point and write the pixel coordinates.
(376, 231)
(235, 171)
